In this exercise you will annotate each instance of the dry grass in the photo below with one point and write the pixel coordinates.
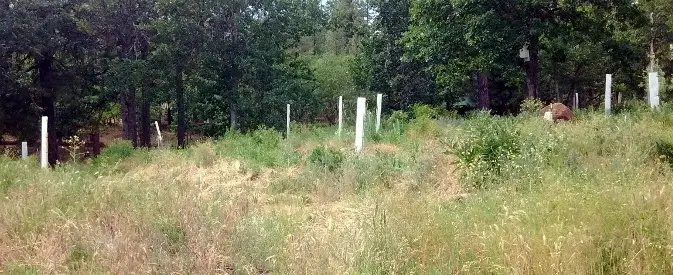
(398, 208)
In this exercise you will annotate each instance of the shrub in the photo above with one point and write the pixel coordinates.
(489, 144)
(422, 111)
(327, 158)
(423, 128)
(266, 137)
(259, 148)
(204, 154)
(632, 106)
(396, 120)
(10, 152)
(116, 151)
(531, 106)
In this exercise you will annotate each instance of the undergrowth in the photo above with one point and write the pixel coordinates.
(496, 195)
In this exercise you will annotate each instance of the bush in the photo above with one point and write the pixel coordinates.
(10, 152)
(423, 128)
(489, 144)
(266, 138)
(396, 119)
(327, 158)
(258, 148)
(531, 106)
(424, 111)
(116, 151)
(632, 106)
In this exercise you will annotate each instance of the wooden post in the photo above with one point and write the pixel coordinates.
(341, 114)
(159, 138)
(619, 98)
(287, 126)
(608, 94)
(360, 124)
(653, 90)
(44, 149)
(24, 150)
(379, 102)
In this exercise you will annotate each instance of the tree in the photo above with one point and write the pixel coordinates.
(247, 72)
(659, 38)
(381, 67)
(347, 25)
(44, 42)
(463, 37)
(180, 36)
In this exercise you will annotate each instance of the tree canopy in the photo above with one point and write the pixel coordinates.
(233, 65)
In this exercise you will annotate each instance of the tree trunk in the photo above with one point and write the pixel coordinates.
(533, 69)
(169, 117)
(558, 94)
(145, 127)
(448, 101)
(233, 103)
(129, 113)
(233, 116)
(44, 70)
(95, 142)
(484, 99)
(180, 98)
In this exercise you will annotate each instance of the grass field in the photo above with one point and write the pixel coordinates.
(482, 195)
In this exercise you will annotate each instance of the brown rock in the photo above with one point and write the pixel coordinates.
(559, 112)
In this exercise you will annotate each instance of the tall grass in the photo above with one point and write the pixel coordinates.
(484, 195)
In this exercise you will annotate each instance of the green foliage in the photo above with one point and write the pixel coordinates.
(663, 149)
(175, 236)
(326, 158)
(531, 107)
(258, 239)
(381, 66)
(632, 106)
(204, 154)
(486, 37)
(424, 111)
(10, 152)
(260, 148)
(396, 120)
(78, 256)
(115, 152)
(266, 138)
(333, 76)
(22, 269)
(589, 193)
(488, 145)
(424, 122)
